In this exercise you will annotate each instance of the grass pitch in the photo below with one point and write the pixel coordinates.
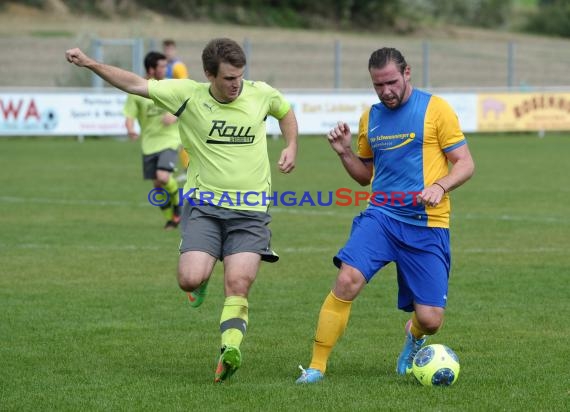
(92, 319)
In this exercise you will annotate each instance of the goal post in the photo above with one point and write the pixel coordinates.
(99, 46)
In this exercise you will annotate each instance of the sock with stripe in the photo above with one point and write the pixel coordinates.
(233, 322)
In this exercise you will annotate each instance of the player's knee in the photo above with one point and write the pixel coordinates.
(162, 178)
(162, 181)
(187, 282)
(430, 322)
(238, 286)
(348, 283)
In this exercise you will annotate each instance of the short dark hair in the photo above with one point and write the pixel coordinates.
(381, 57)
(222, 51)
(168, 42)
(151, 60)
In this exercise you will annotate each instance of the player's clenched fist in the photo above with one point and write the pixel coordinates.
(77, 57)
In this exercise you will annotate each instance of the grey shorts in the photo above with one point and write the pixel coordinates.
(163, 160)
(221, 232)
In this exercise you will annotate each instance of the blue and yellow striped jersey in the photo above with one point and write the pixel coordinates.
(408, 147)
(175, 69)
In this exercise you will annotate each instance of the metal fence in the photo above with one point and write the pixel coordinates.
(451, 63)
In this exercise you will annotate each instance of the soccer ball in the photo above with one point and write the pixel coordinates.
(436, 365)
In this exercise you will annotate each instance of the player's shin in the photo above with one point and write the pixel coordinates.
(233, 322)
(333, 319)
(167, 211)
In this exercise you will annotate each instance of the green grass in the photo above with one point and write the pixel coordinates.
(92, 319)
(51, 33)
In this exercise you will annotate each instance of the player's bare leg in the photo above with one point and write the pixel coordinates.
(194, 270)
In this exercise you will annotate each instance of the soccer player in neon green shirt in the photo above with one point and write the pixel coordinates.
(222, 126)
(159, 139)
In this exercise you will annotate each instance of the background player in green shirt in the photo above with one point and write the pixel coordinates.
(159, 138)
(176, 69)
(222, 126)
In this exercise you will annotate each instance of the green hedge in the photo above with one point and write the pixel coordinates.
(547, 16)
(552, 18)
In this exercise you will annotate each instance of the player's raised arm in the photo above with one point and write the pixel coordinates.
(121, 79)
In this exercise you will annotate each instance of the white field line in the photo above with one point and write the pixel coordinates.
(518, 251)
(514, 218)
(69, 202)
(293, 250)
(44, 246)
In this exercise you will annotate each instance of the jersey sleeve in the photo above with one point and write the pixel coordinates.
(278, 105)
(363, 149)
(130, 109)
(171, 94)
(449, 132)
(179, 71)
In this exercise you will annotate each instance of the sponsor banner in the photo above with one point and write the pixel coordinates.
(465, 106)
(523, 111)
(317, 113)
(60, 114)
(99, 114)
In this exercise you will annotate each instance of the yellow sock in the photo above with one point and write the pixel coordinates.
(416, 328)
(333, 319)
(167, 211)
(184, 158)
(233, 322)
(172, 188)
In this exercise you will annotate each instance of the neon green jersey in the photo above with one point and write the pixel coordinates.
(226, 142)
(155, 135)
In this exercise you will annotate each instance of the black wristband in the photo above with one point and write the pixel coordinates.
(444, 190)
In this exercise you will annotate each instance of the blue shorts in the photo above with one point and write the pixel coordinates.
(421, 255)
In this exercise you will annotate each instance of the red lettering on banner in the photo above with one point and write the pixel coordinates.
(10, 110)
(32, 111)
(541, 102)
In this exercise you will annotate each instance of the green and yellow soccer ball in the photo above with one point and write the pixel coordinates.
(436, 365)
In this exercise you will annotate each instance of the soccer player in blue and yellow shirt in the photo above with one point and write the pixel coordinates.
(222, 126)
(405, 143)
(175, 68)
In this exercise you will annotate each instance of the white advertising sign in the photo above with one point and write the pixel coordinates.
(61, 114)
(317, 113)
(465, 105)
(99, 114)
